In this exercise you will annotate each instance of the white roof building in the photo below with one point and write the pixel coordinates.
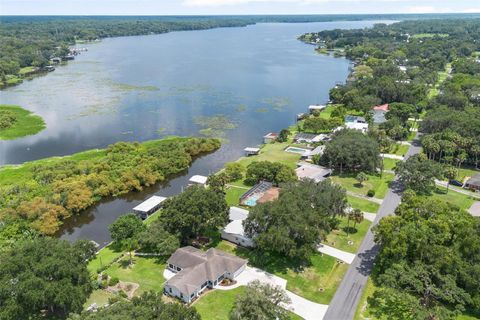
(357, 126)
(149, 206)
(312, 171)
(234, 231)
(198, 179)
(318, 107)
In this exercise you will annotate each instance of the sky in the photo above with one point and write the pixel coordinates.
(215, 7)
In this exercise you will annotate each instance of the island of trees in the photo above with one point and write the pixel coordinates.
(41, 194)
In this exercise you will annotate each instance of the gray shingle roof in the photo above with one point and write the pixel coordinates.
(475, 180)
(199, 267)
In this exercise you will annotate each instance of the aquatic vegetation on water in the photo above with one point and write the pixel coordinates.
(214, 126)
(277, 103)
(261, 110)
(241, 108)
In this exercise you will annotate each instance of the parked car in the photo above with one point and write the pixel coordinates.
(456, 183)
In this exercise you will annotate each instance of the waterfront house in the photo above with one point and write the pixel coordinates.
(312, 171)
(302, 137)
(234, 231)
(308, 155)
(196, 270)
(270, 137)
(356, 123)
(149, 206)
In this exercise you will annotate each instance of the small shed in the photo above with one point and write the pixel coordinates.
(251, 151)
(149, 206)
(473, 183)
(198, 180)
(56, 60)
(316, 107)
(270, 137)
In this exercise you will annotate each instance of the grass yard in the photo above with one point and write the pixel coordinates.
(399, 149)
(233, 195)
(151, 218)
(362, 204)
(389, 164)
(147, 272)
(459, 199)
(100, 297)
(339, 239)
(103, 258)
(374, 182)
(273, 152)
(26, 123)
(216, 304)
(316, 282)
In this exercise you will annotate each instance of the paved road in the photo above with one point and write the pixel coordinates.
(346, 298)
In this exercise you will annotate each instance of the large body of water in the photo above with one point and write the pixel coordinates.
(147, 87)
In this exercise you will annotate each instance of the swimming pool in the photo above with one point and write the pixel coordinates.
(252, 200)
(296, 150)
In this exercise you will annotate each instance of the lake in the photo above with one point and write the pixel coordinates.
(233, 83)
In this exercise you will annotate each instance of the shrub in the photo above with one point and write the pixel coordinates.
(113, 281)
(371, 193)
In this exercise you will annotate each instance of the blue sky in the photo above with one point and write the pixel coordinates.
(189, 7)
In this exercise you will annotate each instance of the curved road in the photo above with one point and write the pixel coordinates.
(346, 298)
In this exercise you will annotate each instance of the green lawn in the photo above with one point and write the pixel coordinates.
(154, 216)
(362, 204)
(216, 304)
(339, 239)
(103, 258)
(233, 195)
(273, 152)
(316, 282)
(26, 70)
(389, 164)
(399, 149)
(100, 297)
(26, 123)
(374, 182)
(147, 272)
(461, 200)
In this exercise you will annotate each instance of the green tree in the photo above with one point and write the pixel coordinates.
(351, 150)
(419, 174)
(361, 178)
(450, 173)
(126, 227)
(217, 182)
(194, 213)
(234, 171)
(283, 135)
(260, 301)
(148, 306)
(44, 277)
(275, 172)
(157, 240)
(296, 223)
(430, 250)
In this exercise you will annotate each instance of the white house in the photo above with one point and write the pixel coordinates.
(196, 270)
(234, 231)
(357, 126)
(312, 171)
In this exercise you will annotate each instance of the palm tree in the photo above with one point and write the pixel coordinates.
(357, 217)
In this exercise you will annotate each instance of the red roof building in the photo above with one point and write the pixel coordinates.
(383, 107)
